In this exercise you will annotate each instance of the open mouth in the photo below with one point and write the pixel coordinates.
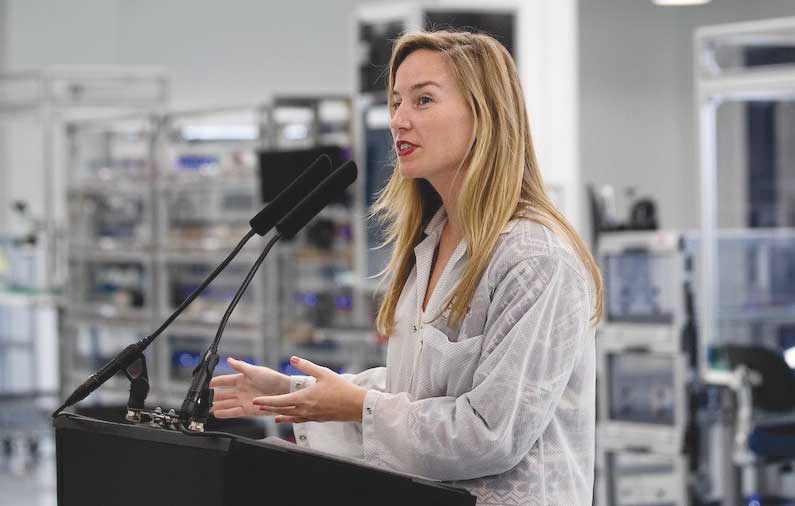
(405, 148)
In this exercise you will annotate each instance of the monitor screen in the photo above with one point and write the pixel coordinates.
(641, 388)
(278, 168)
(639, 288)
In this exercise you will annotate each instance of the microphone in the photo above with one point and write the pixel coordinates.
(287, 199)
(196, 406)
(121, 361)
(313, 203)
(260, 224)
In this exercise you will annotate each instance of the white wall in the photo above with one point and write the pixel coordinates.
(237, 52)
(241, 51)
(44, 32)
(548, 64)
(637, 123)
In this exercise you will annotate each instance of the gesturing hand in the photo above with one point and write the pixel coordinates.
(331, 398)
(238, 391)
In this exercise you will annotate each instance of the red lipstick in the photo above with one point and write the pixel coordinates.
(404, 148)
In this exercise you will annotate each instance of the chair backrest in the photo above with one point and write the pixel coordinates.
(777, 390)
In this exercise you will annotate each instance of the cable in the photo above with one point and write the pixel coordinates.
(240, 291)
(201, 287)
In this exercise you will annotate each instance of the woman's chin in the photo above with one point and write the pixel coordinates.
(410, 173)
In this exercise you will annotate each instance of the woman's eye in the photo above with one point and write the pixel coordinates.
(424, 100)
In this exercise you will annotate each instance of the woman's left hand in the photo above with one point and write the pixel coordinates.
(331, 398)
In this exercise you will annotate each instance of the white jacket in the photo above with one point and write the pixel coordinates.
(505, 405)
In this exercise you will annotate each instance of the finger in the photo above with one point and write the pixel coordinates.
(308, 367)
(278, 409)
(229, 403)
(290, 419)
(222, 395)
(292, 399)
(229, 413)
(240, 366)
(225, 380)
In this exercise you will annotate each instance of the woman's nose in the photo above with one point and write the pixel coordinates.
(399, 119)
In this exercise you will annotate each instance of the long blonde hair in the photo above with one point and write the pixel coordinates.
(501, 181)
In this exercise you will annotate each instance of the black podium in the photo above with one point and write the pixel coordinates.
(109, 464)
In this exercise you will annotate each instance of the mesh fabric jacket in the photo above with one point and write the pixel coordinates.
(504, 405)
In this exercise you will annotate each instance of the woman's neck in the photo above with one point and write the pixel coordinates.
(452, 229)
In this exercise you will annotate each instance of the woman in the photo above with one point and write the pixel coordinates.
(490, 308)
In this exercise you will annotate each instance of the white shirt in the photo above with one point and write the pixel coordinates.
(503, 406)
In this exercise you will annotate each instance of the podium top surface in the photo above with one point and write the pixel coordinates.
(68, 421)
(91, 432)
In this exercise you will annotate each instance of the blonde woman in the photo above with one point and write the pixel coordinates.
(490, 306)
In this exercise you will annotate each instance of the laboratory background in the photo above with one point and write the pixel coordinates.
(138, 138)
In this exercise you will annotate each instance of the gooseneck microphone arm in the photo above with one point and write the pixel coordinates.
(196, 406)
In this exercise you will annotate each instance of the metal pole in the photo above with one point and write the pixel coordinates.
(4, 159)
(47, 119)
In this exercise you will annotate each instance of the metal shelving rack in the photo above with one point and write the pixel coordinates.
(111, 206)
(207, 191)
(35, 108)
(58, 94)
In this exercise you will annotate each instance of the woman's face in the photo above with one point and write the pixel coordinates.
(431, 123)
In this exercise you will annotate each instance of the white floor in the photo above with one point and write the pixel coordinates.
(25, 482)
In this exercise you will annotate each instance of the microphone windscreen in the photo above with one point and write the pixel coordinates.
(285, 201)
(310, 206)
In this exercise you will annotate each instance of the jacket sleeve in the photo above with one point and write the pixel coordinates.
(338, 438)
(537, 321)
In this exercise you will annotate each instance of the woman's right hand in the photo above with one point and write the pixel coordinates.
(237, 391)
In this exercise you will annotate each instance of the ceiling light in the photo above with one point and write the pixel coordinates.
(680, 2)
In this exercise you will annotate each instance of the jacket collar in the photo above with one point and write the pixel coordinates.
(439, 219)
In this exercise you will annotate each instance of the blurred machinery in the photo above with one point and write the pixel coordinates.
(111, 298)
(651, 439)
(664, 435)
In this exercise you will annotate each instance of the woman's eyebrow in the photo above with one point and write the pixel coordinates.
(420, 85)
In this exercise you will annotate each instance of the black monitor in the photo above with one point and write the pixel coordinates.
(278, 168)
